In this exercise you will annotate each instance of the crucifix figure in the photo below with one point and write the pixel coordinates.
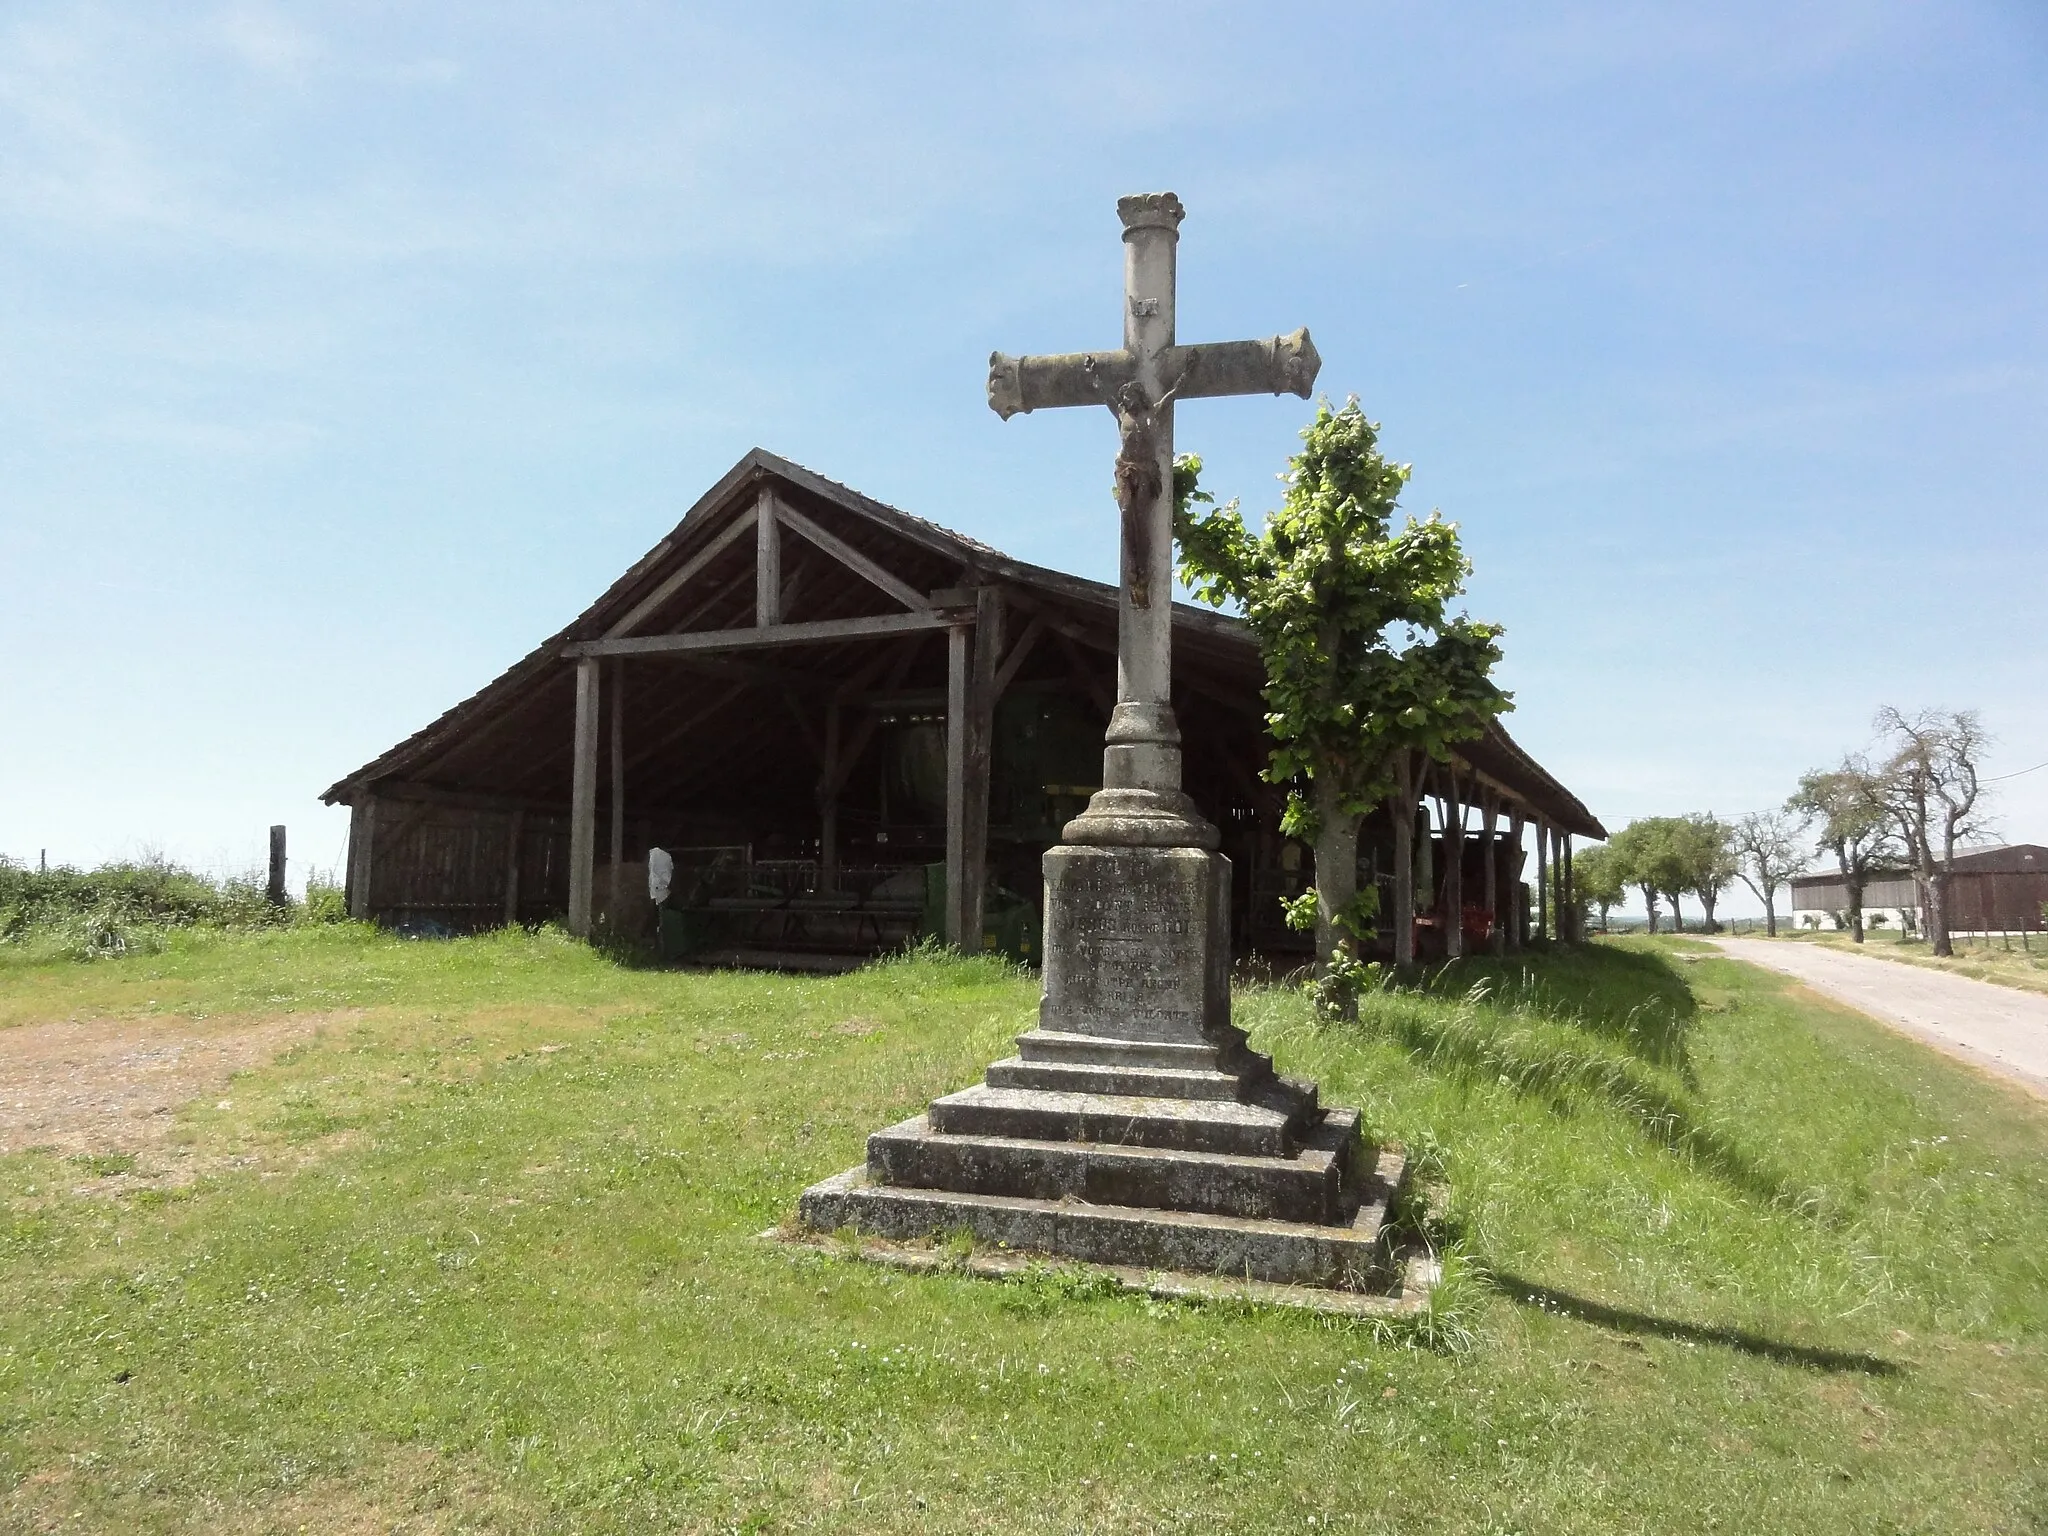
(1141, 802)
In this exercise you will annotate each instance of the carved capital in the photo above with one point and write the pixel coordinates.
(1005, 385)
(1299, 363)
(1150, 210)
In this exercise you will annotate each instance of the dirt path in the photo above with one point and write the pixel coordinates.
(1987, 1025)
(111, 1085)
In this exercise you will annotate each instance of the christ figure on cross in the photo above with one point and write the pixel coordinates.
(1141, 802)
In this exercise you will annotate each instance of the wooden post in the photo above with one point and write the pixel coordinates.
(583, 798)
(981, 730)
(1542, 879)
(1489, 807)
(1454, 866)
(615, 894)
(1401, 811)
(362, 839)
(1517, 934)
(767, 562)
(1567, 899)
(513, 834)
(956, 786)
(828, 803)
(273, 891)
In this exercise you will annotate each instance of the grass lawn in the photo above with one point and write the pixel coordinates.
(2016, 964)
(478, 1253)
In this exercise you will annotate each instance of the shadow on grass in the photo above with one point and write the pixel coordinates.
(1462, 1046)
(1621, 1320)
(1636, 999)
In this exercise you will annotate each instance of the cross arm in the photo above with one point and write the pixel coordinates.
(1278, 365)
(1068, 378)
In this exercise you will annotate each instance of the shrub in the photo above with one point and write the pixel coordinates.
(124, 906)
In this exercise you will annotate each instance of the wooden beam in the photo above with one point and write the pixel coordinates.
(1567, 907)
(864, 732)
(1518, 934)
(583, 798)
(828, 803)
(362, 840)
(618, 796)
(686, 725)
(852, 558)
(956, 787)
(1019, 654)
(804, 727)
(1542, 878)
(1454, 866)
(1090, 682)
(515, 831)
(1489, 808)
(750, 639)
(767, 561)
(981, 730)
(672, 584)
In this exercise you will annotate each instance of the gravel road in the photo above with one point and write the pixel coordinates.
(1987, 1025)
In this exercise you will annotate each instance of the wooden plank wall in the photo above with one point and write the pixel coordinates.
(450, 865)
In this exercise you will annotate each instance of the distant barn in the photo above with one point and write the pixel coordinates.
(846, 728)
(1991, 890)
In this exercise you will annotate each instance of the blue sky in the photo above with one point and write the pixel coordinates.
(347, 350)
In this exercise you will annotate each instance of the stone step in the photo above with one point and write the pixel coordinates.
(1319, 1184)
(1189, 1125)
(1061, 1045)
(1124, 1080)
(1353, 1255)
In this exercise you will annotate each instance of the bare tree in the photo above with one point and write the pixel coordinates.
(1931, 792)
(1849, 803)
(1768, 852)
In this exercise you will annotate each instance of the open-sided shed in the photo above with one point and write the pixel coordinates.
(846, 725)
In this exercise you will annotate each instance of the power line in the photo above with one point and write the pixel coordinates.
(2001, 778)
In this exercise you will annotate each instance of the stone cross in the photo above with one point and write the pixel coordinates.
(1141, 802)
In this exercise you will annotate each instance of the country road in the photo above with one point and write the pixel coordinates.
(1998, 1028)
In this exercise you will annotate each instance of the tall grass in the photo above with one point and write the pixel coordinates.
(129, 906)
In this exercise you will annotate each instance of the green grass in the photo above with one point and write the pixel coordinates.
(481, 1254)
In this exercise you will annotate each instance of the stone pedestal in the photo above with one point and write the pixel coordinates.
(1134, 1126)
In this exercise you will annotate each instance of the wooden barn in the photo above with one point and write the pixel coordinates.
(836, 727)
(1990, 890)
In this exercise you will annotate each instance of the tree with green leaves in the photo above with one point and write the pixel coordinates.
(1848, 803)
(1653, 857)
(1598, 880)
(1369, 674)
(1710, 865)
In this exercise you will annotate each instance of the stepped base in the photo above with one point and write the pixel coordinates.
(1353, 1256)
(1321, 1183)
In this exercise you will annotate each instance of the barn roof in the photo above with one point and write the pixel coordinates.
(700, 577)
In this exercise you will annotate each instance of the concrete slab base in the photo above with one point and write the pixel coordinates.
(1354, 1255)
(1412, 1278)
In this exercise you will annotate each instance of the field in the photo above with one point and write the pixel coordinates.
(2002, 959)
(478, 1251)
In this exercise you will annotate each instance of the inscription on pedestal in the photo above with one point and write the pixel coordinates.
(1132, 942)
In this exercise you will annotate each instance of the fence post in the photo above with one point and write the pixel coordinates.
(274, 891)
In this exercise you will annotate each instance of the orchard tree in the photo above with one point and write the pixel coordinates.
(1598, 880)
(1369, 674)
(1769, 850)
(1709, 863)
(1653, 856)
(1931, 792)
(1848, 803)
